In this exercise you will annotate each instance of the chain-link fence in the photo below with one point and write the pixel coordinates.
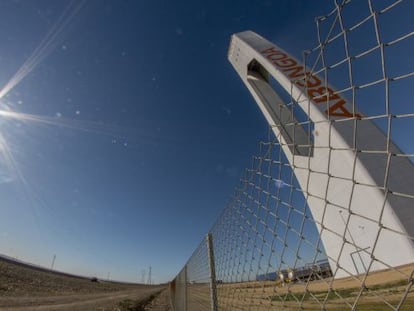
(324, 217)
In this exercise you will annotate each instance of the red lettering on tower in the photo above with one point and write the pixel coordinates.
(318, 93)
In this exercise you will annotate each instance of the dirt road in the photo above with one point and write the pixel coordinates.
(24, 288)
(107, 301)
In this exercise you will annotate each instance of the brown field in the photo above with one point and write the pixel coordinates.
(384, 290)
(27, 288)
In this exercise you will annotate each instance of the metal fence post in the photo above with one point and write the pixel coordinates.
(185, 289)
(172, 293)
(213, 289)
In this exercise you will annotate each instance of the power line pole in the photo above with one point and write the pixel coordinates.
(53, 262)
(149, 276)
(143, 275)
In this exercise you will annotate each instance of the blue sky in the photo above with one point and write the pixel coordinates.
(143, 127)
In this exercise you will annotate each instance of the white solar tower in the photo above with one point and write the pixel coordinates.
(343, 162)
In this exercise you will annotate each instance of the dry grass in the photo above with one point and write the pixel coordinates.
(383, 290)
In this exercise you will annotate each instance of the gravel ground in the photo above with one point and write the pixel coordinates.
(160, 303)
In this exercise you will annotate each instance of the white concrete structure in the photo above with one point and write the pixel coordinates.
(363, 222)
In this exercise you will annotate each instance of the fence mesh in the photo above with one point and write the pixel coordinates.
(267, 246)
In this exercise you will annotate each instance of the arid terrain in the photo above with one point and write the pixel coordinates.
(28, 288)
(389, 289)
